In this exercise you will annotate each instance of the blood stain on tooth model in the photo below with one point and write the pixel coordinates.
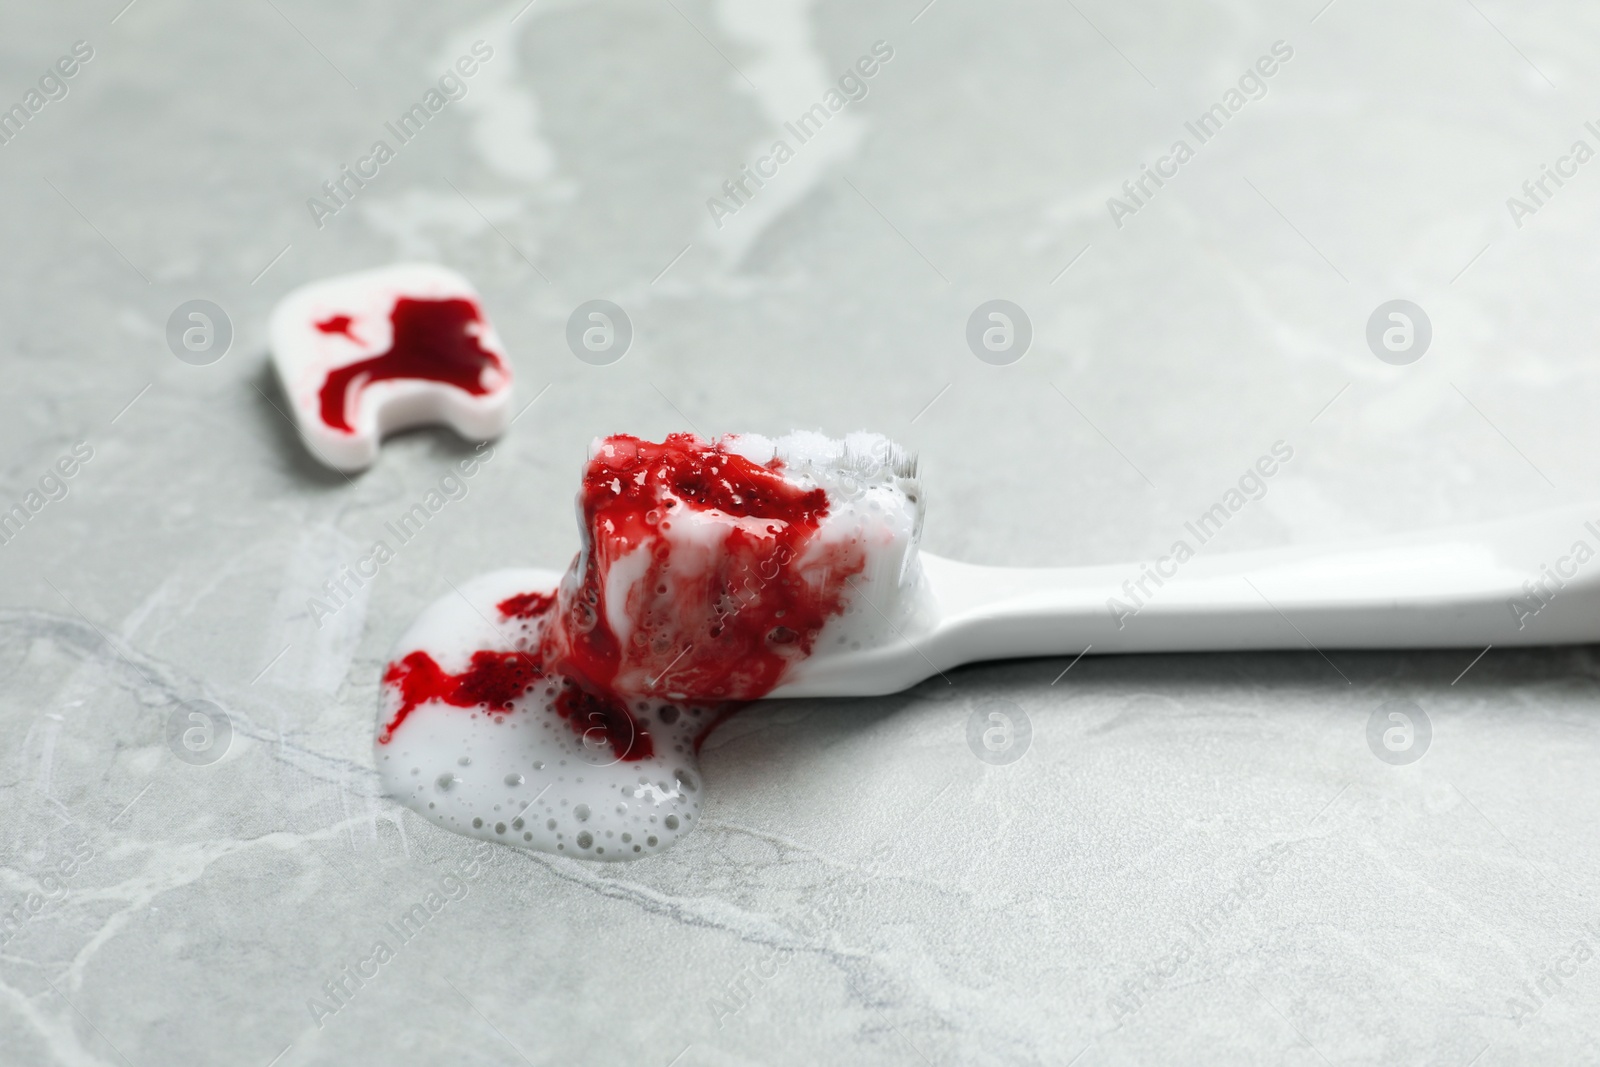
(338, 324)
(434, 340)
(703, 579)
(369, 354)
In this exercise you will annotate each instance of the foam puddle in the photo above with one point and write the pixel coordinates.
(524, 775)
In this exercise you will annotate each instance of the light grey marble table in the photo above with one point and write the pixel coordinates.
(1198, 859)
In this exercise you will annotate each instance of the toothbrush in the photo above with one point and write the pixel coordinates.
(563, 712)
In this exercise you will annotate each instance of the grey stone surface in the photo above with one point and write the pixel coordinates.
(1198, 860)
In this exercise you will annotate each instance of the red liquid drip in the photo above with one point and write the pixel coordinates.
(526, 605)
(433, 341)
(714, 621)
(338, 324)
(493, 680)
(587, 714)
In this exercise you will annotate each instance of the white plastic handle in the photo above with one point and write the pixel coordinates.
(1531, 580)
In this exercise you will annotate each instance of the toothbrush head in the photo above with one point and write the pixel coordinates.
(711, 569)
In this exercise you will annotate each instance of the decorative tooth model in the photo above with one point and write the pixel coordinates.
(366, 354)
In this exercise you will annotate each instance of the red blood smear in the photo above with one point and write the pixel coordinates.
(725, 629)
(338, 324)
(717, 633)
(493, 680)
(526, 605)
(433, 341)
(588, 713)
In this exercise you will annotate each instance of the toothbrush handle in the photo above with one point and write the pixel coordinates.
(1534, 580)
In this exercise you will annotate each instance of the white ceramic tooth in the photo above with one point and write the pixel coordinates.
(306, 354)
